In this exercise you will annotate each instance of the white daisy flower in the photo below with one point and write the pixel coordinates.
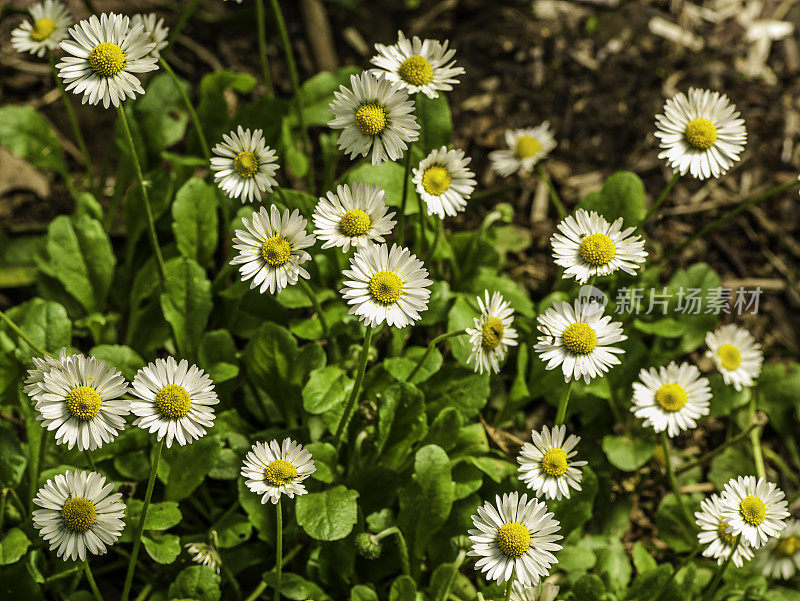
(547, 592)
(205, 554)
(754, 508)
(243, 165)
(355, 215)
(105, 54)
(156, 31)
(671, 398)
(445, 182)
(79, 398)
(425, 66)
(547, 467)
(736, 354)
(375, 115)
(515, 537)
(176, 400)
(48, 28)
(271, 249)
(277, 469)
(492, 334)
(41, 367)
(386, 285)
(78, 513)
(780, 558)
(701, 134)
(526, 147)
(586, 245)
(714, 533)
(578, 337)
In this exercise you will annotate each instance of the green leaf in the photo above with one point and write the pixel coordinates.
(218, 355)
(401, 367)
(296, 587)
(81, 258)
(401, 423)
(195, 224)
(328, 515)
(124, 358)
(389, 177)
(666, 327)
(657, 578)
(27, 135)
(457, 387)
(161, 114)
(724, 398)
(623, 195)
(326, 389)
(189, 465)
(13, 546)
(12, 461)
(728, 464)
(436, 124)
(46, 323)
(162, 548)
(577, 510)
(257, 512)
(186, 303)
(160, 516)
(316, 94)
(642, 560)
(699, 280)
(213, 107)
(199, 583)
(403, 589)
(589, 587)
(362, 592)
(628, 453)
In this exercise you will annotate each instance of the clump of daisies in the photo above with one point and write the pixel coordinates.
(547, 465)
(46, 30)
(780, 557)
(714, 532)
(526, 147)
(444, 182)
(736, 354)
(492, 334)
(156, 30)
(754, 509)
(274, 469)
(700, 133)
(354, 216)
(244, 166)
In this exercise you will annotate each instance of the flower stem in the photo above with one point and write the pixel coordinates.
(18, 331)
(423, 242)
(73, 121)
(456, 566)
(262, 47)
(36, 468)
(711, 454)
(348, 410)
(429, 350)
(92, 583)
(755, 442)
(401, 546)
(262, 586)
(712, 588)
(401, 219)
(312, 296)
(89, 461)
(137, 541)
(188, 11)
(561, 414)
(148, 209)
(661, 198)
(673, 482)
(510, 587)
(559, 205)
(189, 107)
(3, 501)
(278, 549)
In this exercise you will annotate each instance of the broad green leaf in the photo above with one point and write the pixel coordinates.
(27, 135)
(161, 114)
(578, 509)
(213, 108)
(403, 589)
(218, 355)
(362, 592)
(327, 387)
(296, 587)
(401, 423)
(162, 548)
(316, 94)
(13, 546)
(699, 280)
(724, 398)
(435, 122)
(628, 453)
(328, 515)
(389, 177)
(46, 323)
(188, 466)
(623, 195)
(12, 459)
(656, 578)
(458, 387)
(642, 560)
(124, 358)
(261, 515)
(194, 215)
(401, 367)
(160, 516)
(186, 303)
(199, 583)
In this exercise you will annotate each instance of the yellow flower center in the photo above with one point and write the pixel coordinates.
(753, 510)
(787, 547)
(355, 223)
(416, 70)
(729, 357)
(492, 333)
(279, 473)
(554, 462)
(513, 539)
(246, 163)
(371, 119)
(436, 180)
(173, 401)
(83, 403)
(726, 537)
(107, 59)
(386, 287)
(701, 133)
(527, 146)
(671, 397)
(42, 29)
(78, 514)
(597, 249)
(579, 338)
(276, 250)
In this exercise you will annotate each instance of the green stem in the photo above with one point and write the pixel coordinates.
(755, 442)
(90, 461)
(661, 198)
(742, 206)
(711, 454)
(92, 583)
(348, 410)
(510, 586)
(712, 588)
(18, 331)
(73, 121)
(781, 465)
(137, 541)
(198, 129)
(262, 47)
(317, 307)
(401, 546)
(298, 99)
(36, 468)
(278, 549)
(423, 242)
(456, 566)
(90, 6)
(559, 205)
(3, 500)
(401, 219)
(231, 578)
(145, 592)
(184, 18)
(561, 414)
(429, 350)
(262, 586)
(673, 482)
(143, 187)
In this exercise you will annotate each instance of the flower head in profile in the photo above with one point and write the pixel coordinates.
(425, 66)
(375, 115)
(547, 591)
(155, 29)
(445, 182)
(754, 509)
(386, 285)
(103, 57)
(46, 30)
(547, 465)
(580, 339)
(736, 354)
(274, 469)
(271, 249)
(514, 536)
(244, 166)
(714, 533)
(780, 557)
(354, 216)
(492, 334)
(526, 147)
(80, 399)
(177, 401)
(671, 398)
(586, 245)
(206, 554)
(701, 133)
(79, 514)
